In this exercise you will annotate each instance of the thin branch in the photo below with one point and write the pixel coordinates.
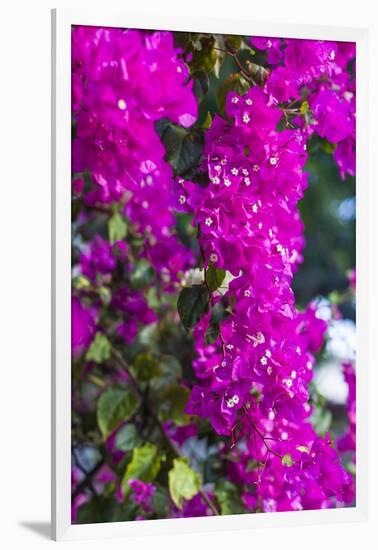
(260, 434)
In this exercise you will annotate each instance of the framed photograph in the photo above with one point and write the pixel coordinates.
(210, 230)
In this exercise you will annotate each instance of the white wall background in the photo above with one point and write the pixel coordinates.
(25, 274)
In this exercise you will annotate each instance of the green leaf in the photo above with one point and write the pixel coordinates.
(207, 122)
(115, 406)
(214, 277)
(117, 228)
(183, 481)
(201, 84)
(81, 282)
(287, 460)
(183, 147)
(172, 406)
(145, 367)
(204, 55)
(228, 497)
(234, 82)
(233, 42)
(192, 304)
(105, 295)
(212, 333)
(127, 438)
(100, 349)
(101, 509)
(219, 47)
(160, 502)
(169, 372)
(142, 274)
(303, 449)
(145, 465)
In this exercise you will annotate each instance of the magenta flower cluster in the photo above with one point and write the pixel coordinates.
(253, 379)
(255, 376)
(122, 83)
(322, 73)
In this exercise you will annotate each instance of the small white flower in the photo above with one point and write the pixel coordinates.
(263, 361)
(247, 293)
(208, 222)
(245, 172)
(246, 118)
(224, 363)
(217, 168)
(121, 104)
(268, 353)
(234, 171)
(230, 403)
(223, 162)
(235, 399)
(214, 257)
(279, 248)
(273, 161)
(288, 382)
(249, 101)
(216, 180)
(227, 182)
(256, 168)
(293, 374)
(235, 100)
(269, 370)
(230, 346)
(255, 208)
(247, 181)
(182, 199)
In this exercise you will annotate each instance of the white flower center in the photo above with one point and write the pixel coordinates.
(273, 161)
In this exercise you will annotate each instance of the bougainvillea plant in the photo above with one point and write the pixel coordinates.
(194, 346)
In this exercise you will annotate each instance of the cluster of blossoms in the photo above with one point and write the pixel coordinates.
(320, 73)
(123, 81)
(98, 261)
(253, 379)
(255, 375)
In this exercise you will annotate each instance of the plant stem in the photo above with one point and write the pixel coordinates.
(260, 434)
